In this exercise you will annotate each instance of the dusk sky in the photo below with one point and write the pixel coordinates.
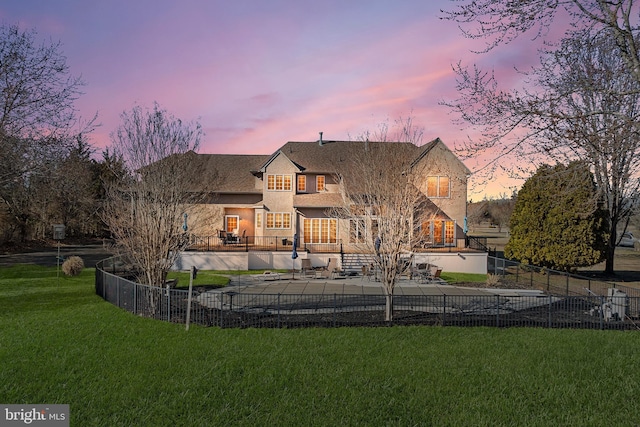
(257, 74)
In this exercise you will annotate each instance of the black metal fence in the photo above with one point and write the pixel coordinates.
(256, 243)
(551, 281)
(241, 310)
(232, 243)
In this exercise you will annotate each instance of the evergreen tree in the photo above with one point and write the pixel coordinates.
(558, 221)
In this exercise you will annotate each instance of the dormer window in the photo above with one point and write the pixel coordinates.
(279, 182)
(320, 183)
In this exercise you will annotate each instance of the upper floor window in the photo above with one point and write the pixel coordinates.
(302, 183)
(320, 183)
(279, 182)
(438, 186)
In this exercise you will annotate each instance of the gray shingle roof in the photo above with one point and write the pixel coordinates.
(234, 173)
(317, 200)
(333, 156)
(230, 172)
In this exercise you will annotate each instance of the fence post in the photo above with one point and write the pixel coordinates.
(221, 306)
(335, 307)
(497, 311)
(168, 304)
(601, 312)
(444, 310)
(135, 298)
(278, 310)
(549, 312)
(548, 279)
(531, 279)
(566, 275)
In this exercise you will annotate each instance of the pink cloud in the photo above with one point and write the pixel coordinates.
(258, 76)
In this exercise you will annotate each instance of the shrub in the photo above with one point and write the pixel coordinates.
(492, 280)
(73, 266)
(557, 221)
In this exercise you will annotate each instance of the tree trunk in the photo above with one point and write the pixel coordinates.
(388, 313)
(609, 257)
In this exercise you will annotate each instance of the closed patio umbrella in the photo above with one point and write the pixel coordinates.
(294, 254)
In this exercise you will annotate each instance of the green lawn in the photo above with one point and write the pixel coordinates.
(59, 343)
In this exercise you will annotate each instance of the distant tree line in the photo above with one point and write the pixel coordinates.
(491, 212)
(48, 173)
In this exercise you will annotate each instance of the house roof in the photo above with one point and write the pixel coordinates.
(230, 173)
(236, 173)
(318, 200)
(331, 156)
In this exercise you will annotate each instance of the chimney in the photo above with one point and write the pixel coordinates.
(320, 142)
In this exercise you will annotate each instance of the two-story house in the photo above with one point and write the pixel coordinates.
(259, 199)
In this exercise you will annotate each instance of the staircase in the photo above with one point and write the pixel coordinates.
(352, 263)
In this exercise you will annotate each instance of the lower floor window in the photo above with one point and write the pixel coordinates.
(357, 230)
(231, 223)
(320, 230)
(439, 232)
(278, 220)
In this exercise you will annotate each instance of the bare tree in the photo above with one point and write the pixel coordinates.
(37, 117)
(499, 22)
(382, 193)
(576, 105)
(500, 211)
(145, 207)
(37, 95)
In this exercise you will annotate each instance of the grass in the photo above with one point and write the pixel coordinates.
(452, 278)
(60, 343)
(210, 278)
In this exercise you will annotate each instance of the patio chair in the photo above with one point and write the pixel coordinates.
(434, 274)
(319, 271)
(334, 271)
(307, 268)
(324, 271)
(368, 271)
(423, 272)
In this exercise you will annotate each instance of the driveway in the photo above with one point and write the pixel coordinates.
(47, 257)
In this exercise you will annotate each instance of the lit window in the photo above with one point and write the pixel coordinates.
(439, 232)
(258, 220)
(443, 186)
(278, 220)
(438, 186)
(320, 183)
(279, 182)
(231, 223)
(302, 183)
(320, 230)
